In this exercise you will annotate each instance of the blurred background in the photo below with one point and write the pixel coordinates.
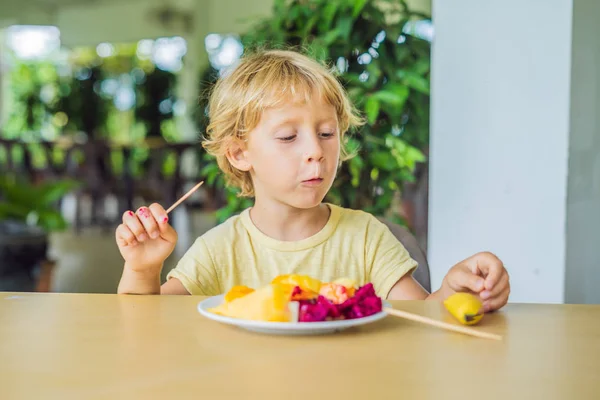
(483, 130)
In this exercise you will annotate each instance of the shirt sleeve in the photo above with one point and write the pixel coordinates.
(196, 271)
(388, 259)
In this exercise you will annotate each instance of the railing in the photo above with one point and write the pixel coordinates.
(150, 171)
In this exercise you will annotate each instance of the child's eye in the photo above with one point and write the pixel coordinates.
(327, 134)
(287, 138)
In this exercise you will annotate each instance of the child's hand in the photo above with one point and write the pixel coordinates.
(482, 274)
(145, 238)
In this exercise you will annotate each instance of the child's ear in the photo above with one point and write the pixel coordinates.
(236, 154)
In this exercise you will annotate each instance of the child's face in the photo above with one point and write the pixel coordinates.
(293, 153)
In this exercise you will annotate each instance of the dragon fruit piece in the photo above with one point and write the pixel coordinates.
(364, 303)
(317, 310)
(312, 311)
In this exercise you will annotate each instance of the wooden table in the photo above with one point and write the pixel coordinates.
(74, 346)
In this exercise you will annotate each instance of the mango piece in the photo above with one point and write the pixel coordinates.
(269, 303)
(237, 292)
(304, 282)
(465, 307)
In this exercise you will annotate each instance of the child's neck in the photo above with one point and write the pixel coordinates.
(285, 223)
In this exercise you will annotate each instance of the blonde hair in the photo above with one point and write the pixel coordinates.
(262, 80)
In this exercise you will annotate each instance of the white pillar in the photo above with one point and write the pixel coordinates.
(515, 96)
(196, 58)
(583, 190)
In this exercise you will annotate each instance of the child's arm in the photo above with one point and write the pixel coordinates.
(482, 274)
(136, 283)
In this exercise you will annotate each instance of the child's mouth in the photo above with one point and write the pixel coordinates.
(313, 181)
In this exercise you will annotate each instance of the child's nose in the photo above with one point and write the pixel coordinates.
(314, 150)
(315, 153)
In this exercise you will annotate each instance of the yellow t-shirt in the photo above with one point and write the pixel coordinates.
(353, 244)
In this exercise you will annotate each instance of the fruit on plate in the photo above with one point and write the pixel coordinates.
(364, 303)
(299, 298)
(336, 293)
(465, 307)
(269, 303)
(306, 283)
(237, 291)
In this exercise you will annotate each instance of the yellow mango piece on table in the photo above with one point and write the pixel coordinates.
(465, 307)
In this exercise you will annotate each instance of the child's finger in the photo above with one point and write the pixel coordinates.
(166, 230)
(133, 223)
(160, 215)
(498, 288)
(145, 215)
(487, 265)
(125, 237)
(496, 302)
(462, 278)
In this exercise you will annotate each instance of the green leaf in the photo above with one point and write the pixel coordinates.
(414, 81)
(357, 95)
(51, 220)
(328, 13)
(375, 73)
(351, 197)
(352, 79)
(331, 36)
(393, 94)
(17, 192)
(352, 145)
(310, 25)
(399, 157)
(374, 174)
(356, 165)
(50, 193)
(415, 154)
(210, 172)
(358, 7)
(14, 211)
(372, 109)
(383, 160)
(384, 200)
(421, 66)
(344, 26)
(294, 13)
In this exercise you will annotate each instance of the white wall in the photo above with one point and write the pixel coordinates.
(499, 139)
(122, 22)
(229, 16)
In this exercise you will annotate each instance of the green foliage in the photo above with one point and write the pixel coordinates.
(34, 204)
(33, 92)
(84, 109)
(54, 96)
(158, 88)
(385, 70)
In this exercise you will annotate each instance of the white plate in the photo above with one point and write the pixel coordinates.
(286, 328)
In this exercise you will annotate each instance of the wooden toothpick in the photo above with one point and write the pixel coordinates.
(185, 196)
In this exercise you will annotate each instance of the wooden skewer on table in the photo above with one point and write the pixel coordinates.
(441, 324)
(185, 196)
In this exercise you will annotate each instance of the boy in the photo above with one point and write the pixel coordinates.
(277, 128)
